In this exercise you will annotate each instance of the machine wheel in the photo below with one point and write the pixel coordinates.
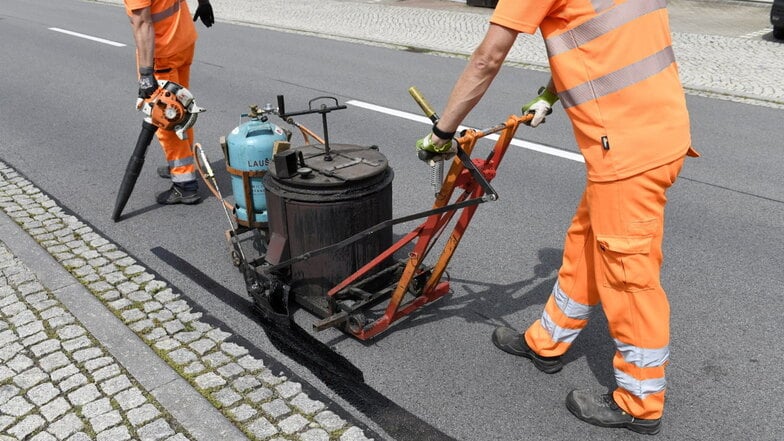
(356, 323)
(778, 32)
(236, 260)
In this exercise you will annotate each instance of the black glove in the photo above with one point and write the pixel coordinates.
(204, 11)
(147, 83)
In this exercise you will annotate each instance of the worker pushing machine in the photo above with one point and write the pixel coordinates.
(165, 39)
(614, 72)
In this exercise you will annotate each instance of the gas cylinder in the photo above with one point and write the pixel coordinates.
(248, 149)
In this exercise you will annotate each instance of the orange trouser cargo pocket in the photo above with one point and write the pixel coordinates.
(627, 263)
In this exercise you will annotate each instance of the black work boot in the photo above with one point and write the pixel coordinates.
(513, 342)
(601, 410)
(178, 195)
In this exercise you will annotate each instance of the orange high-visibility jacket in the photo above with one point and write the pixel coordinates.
(613, 67)
(174, 28)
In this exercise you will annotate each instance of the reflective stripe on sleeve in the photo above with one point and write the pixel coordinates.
(620, 79)
(601, 24)
(168, 12)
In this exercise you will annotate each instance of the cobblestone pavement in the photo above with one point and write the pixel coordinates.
(715, 59)
(60, 381)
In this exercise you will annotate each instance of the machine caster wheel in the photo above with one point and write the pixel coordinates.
(356, 323)
(236, 260)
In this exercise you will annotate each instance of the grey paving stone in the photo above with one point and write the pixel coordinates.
(42, 394)
(276, 408)
(74, 381)
(314, 435)
(65, 426)
(226, 396)
(87, 354)
(245, 383)
(113, 385)
(142, 415)
(182, 356)
(119, 433)
(16, 406)
(105, 421)
(209, 380)
(26, 426)
(156, 430)
(42, 436)
(130, 398)
(262, 428)
(354, 434)
(288, 389)
(306, 405)
(20, 362)
(330, 421)
(70, 331)
(105, 372)
(54, 361)
(97, 407)
(84, 394)
(55, 409)
(45, 347)
(292, 424)
(230, 370)
(30, 378)
(243, 412)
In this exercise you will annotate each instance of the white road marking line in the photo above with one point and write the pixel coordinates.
(88, 37)
(517, 142)
(759, 33)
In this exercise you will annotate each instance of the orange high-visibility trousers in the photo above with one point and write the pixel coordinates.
(613, 256)
(179, 156)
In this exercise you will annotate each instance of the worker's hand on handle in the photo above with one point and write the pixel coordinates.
(433, 147)
(204, 11)
(147, 83)
(540, 106)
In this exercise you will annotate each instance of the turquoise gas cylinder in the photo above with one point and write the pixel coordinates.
(248, 152)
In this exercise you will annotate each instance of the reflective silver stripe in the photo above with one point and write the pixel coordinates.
(621, 78)
(557, 333)
(569, 307)
(183, 177)
(643, 357)
(180, 162)
(601, 24)
(168, 12)
(639, 388)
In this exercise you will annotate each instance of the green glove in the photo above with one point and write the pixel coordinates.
(428, 145)
(540, 106)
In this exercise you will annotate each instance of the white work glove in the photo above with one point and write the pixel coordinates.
(540, 106)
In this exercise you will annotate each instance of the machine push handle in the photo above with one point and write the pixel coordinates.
(437, 167)
(423, 104)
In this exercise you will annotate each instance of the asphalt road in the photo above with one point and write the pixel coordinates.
(67, 123)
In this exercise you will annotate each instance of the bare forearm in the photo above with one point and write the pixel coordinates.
(482, 68)
(144, 36)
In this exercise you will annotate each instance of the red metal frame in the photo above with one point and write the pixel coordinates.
(429, 231)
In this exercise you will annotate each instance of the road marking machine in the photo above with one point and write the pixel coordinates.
(312, 224)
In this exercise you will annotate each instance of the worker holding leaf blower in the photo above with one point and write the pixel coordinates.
(614, 72)
(165, 39)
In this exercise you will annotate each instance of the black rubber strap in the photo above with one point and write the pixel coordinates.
(441, 134)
